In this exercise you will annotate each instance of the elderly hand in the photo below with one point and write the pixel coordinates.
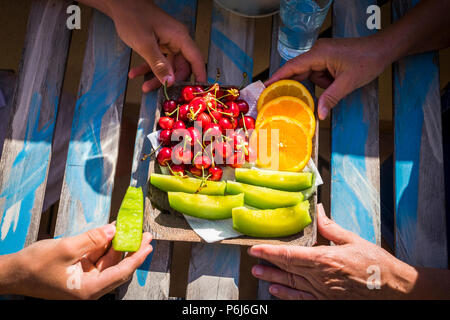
(79, 267)
(339, 65)
(343, 271)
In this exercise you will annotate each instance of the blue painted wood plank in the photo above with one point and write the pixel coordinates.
(230, 50)
(355, 168)
(27, 149)
(92, 155)
(151, 280)
(420, 226)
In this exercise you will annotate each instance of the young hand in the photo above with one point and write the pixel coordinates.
(79, 267)
(163, 42)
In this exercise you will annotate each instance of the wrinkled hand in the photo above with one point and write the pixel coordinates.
(333, 272)
(163, 42)
(79, 267)
(339, 65)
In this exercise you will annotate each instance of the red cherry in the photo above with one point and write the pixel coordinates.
(178, 125)
(204, 119)
(216, 113)
(181, 155)
(187, 93)
(220, 93)
(164, 137)
(196, 106)
(195, 171)
(195, 136)
(180, 134)
(224, 149)
(237, 137)
(183, 112)
(236, 160)
(215, 173)
(251, 154)
(198, 91)
(166, 123)
(164, 156)
(213, 132)
(232, 108)
(177, 169)
(202, 162)
(249, 123)
(225, 124)
(169, 106)
(243, 106)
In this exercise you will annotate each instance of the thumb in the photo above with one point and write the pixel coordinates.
(93, 240)
(331, 230)
(337, 90)
(160, 65)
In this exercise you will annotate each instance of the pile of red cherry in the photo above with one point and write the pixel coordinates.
(220, 115)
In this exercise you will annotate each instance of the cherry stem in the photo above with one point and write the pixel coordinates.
(209, 111)
(145, 157)
(165, 90)
(243, 123)
(244, 79)
(217, 75)
(171, 113)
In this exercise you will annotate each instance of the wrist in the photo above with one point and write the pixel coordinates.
(9, 271)
(404, 280)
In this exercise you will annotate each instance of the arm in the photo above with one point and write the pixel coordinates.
(341, 271)
(344, 65)
(163, 42)
(79, 267)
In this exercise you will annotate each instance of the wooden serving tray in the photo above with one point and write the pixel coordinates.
(164, 223)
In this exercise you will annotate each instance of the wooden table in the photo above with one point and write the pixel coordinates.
(214, 269)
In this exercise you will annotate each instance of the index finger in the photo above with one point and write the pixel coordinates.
(195, 58)
(286, 257)
(300, 66)
(115, 275)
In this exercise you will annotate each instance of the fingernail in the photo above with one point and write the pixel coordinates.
(323, 112)
(251, 251)
(257, 270)
(273, 290)
(168, 79)
(110, 230)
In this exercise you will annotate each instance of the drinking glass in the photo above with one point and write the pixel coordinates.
(300, 24)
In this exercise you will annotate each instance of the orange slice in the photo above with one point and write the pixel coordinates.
(285, 88)
(290, 107)
(282, 143)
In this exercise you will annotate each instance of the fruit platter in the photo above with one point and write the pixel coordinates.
(210, 171)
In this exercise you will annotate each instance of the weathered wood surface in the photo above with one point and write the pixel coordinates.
(214, 268)
(27, 149)
(7, 85)
(152, 279)
(92, 156)
(355, 167)
(420, 224)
